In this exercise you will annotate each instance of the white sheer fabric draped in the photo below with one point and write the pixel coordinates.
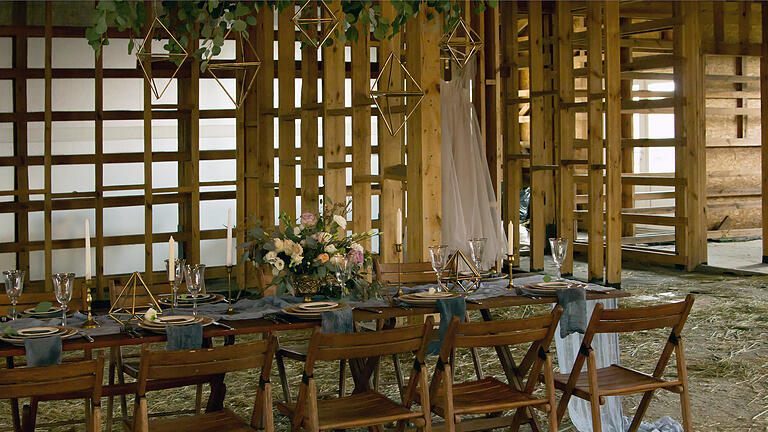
(469, 207)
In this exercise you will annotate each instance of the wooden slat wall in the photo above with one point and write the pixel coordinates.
(148, 274)
(764, 127)
(286, 69)
(566, 122)
(263, 143)
(310, 190)
(48, 146)
(334, 179)
(361, 133)
(538, 156)
(613, 170)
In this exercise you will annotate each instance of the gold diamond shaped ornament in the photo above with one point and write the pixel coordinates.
(245, 71)
(125, 308)
(461, 43)
(147, 57)
(465, 280)
(390, 93)
(304, 19)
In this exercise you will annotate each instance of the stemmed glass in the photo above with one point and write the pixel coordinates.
(342, 269)
(195, 274)
(559, 248)
(477, 249)
(437, 256)
(179, 276)
(62, 287)
(14, 283)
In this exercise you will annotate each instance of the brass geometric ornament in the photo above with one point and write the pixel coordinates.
(466, 280)
(308, 15)
(391, 94)
(147, 57)
(461, 43)
(245, 71)
(127, 308)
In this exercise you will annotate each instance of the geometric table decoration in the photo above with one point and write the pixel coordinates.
(124, 308)
(461, 42)
(304, 19)
(147, 57)
(456, 262)
(245, 71)
(391, 94)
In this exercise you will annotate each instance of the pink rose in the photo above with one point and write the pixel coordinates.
(308, 219)
(356, 256)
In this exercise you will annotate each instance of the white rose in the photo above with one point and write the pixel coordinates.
(271, 256)
(357, 247)
(279, 245)
(279, 264)
(150, 315)
(340, 221)
(331, 249)
(296, 231)
(296, 259)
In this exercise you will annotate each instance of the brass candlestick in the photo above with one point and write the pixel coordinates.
(229, 292)
(89, 322)
(399, 250)
(173, 297)
(510, 261)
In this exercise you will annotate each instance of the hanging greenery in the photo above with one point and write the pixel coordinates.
(209, 20)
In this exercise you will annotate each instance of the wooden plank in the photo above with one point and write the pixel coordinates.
(390, 153)
(310, 189)
(764, 128)
(99, 175)
(21, 232)
(264, 144)
(423, 135)
(538, 182)
(745, 25)
(334, 179)
(627, 133)
(613, 185)
(286, 38)
(240, 163)
(595, 254)
(566, 121)
(681, 203)
(148, 273)
(48, 234)
(492, 92)
(361, 133)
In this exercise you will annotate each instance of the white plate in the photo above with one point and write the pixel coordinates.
(317, 306)
(36, 332)
(174, 320)
(53, 309)
(427, 294)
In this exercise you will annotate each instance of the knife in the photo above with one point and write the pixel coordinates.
(223, 325)
(85, 335)
(376, 311)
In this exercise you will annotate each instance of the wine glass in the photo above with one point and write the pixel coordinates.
(477, 249)
(559, 248)
(341, 267)
(437, 256)
(14, 283)
(62, 287)
(178, 277)
(195, 274)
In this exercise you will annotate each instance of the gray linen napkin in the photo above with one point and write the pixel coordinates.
(184, 337)
(448, 308)
(574, 303)
(45, 351)
(338, 321)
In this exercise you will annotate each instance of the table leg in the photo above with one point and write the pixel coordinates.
(363, 369)
(15, 414)
(513, 377)
(218, 392)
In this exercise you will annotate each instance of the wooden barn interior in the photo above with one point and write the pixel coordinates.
(633, 128)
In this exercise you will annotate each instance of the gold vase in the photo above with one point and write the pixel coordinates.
(305, 286)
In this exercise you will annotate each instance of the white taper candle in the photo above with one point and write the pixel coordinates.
(399, 228)
(511, 239)
(87, 250)
(229, 237)
(171, 260)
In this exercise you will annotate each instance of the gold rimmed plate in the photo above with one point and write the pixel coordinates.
(426, 300)
(295, 310)
(160, 328)
(318, 306)
(33, 333)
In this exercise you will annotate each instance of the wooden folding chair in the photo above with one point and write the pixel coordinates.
(76, 380)
(175, 365)
(489, 395)
(617, 380)
(367, 407)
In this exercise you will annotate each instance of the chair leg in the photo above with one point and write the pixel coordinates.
(111, 399)
(283, 378)
(594, 395)
(121, 380)
(398, 374)
(199, 399)
(96, 418)
(342, 377)
(685, 402)
(640, 413)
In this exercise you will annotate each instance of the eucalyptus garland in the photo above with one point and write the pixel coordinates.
(210, 20)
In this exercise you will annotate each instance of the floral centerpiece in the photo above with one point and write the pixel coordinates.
(304, 255)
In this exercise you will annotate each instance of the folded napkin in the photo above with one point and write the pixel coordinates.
(448, 308)
(184, 337)
(338, 321)
(574, 303)
(45, 351)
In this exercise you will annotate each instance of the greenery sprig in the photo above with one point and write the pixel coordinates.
(210, 20)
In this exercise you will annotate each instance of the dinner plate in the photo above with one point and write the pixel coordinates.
(295, 310)
(36, 332)
(421, 300)
(190, 297)
(160, 328)
(174, 319)
(167, 300)
(436, 295)
(318, 306)
(64, 332)
(51, 310)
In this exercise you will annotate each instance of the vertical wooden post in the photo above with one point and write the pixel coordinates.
(310, 191)
(566, 121)
(511, 107)
(240, 166)
(595, 254)
(263, 144)
(99, 173)
(538, 156)
(286, 70)
(189, 171)
(361, 133)
(423, 135)
(627, 132)
(681, 203)
(492, 71)
(48, 118)
(390, 152)
(764, 127)
(148, 165)
(613, 144)
(20, 138)
(334, 180)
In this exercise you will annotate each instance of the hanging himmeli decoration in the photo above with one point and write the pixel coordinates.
(147, 57)
(124, 309)
(326, 25)
(462, 280)
(390, 93)
(245, 71)
(461, 43)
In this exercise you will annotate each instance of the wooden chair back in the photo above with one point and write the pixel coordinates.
(410, 273)
(32, 299)
(76, 377)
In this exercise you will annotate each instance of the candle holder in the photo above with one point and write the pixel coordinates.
(510, 261)
(89, 322)
(399, 250)
(229, 292)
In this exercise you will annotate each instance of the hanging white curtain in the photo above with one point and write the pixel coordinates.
(469, 207)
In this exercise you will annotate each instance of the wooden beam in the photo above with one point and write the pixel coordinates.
(310, 189)
(264, 143)
(595, 254)
(423, 135)
(147, 160)
(538, 177)
(48, 177)
(99, 175)
(334, 178)
(627, 133)
(286, 46)
(361, 133)
(566, 121)
(764, 127)
(21, 233)
(613, 146)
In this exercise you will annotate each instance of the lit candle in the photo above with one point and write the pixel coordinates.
(171, 260)
(511, 239)
(229, 237)
(87, 249)
(399, 228)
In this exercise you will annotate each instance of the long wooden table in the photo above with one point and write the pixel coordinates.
(361, 373)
